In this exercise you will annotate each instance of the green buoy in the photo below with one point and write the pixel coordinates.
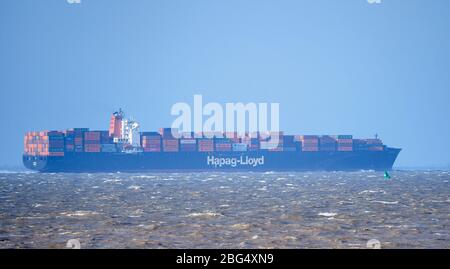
(386, 175)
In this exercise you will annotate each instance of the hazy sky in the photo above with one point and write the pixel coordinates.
(335, 67)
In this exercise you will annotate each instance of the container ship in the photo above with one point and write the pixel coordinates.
(123, 148)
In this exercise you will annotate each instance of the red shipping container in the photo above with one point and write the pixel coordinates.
(170, 145)
(152, 149)
(310, 149)
(223, 147)
(92, 135)
(92, 148)
(345, 148)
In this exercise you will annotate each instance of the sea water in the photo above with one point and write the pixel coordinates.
(226, 210)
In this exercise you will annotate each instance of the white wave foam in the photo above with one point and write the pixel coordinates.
(79, 213)
(144, 177)
(372, 191)
(114, 180)
(137, 213)
(135, 187)
(16, 172)
(240, 226)
(386, 202)
(327, 214)
(208, 214)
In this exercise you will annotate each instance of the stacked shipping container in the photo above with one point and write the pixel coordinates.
(151, 141)
(69, 141)
(368, 144)
(327, 143)
(223, 144)
(345, 143)
(169, 139)
(205, 144)
(45, 143)
(188, 144)
(271, 141)
(92, 141)
(55, 143)
(289, 143)
(170, 145)
(310, 142)
(106, 142)
(254, 144)
(374, 144)
(78, 138)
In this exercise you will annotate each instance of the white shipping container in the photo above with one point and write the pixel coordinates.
(188, 141)
(239, 147)
(268, 145)
(239, 144)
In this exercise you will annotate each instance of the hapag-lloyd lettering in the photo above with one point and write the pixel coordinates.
(235, 161)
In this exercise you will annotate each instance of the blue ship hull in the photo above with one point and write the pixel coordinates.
(215, 161)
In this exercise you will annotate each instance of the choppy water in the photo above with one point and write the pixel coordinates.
(225, 210)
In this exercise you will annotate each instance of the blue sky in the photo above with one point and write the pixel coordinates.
(335, 67)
